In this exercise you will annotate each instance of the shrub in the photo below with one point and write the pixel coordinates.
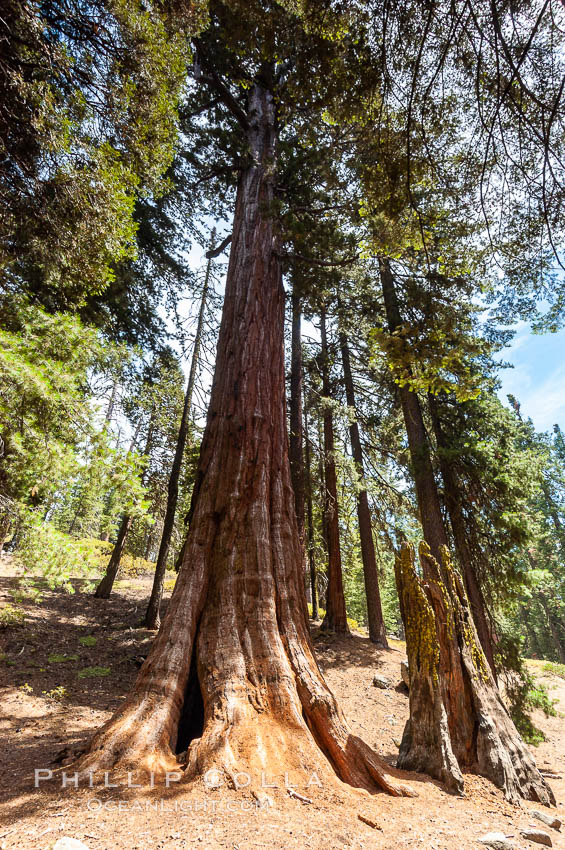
(524, 695)
(132, 567)
(10, 615)
(556, 669)
(55, 555)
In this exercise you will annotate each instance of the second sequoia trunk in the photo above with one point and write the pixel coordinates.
(231, 681)
(458, 721)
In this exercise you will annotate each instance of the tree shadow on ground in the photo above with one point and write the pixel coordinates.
(64, 671)
(351, 650)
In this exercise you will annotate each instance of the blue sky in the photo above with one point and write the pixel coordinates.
(538, 377)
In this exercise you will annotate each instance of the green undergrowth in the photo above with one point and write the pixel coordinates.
(11, 615)
(56, 658)
(93, 672)
(527, 695)
(555, 668)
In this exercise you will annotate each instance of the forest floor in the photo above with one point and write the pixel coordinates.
(65, 669)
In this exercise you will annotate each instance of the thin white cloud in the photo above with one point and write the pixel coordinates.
(543, 401)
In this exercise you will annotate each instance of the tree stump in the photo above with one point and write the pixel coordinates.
(458, 721)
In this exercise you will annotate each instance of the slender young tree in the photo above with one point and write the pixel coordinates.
(310, 518)
(335, 618)
(296, 442)
(454, 507)
(152, 615)
(106, 583)
(377, 631)
(429, 503)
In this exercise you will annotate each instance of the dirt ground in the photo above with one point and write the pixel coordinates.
(67, 667)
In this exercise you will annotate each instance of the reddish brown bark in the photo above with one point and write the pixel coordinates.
(335, 619)
(235, 635)
(376, 623)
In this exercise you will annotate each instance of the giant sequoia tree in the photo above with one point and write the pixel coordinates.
(231, 680)
(235, 638)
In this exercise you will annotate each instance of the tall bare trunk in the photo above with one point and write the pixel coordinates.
(235, 639)
(553, 627)
(106, 585)
(420, 454)
(152, 615)
(310, 516)
(377, 631)
(458, 721)
(336, 617)
(5, 525)
(296, 447)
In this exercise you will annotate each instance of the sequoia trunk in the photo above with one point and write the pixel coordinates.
(336, 617)
(235, 640)
(377, 631)
(439, 625)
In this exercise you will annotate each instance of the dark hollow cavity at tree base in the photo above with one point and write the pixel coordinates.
(191, 720)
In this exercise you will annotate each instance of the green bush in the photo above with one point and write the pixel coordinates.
(10, 615)
(525, 694)
(556, 669)
(538, 697)
(56, 556)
